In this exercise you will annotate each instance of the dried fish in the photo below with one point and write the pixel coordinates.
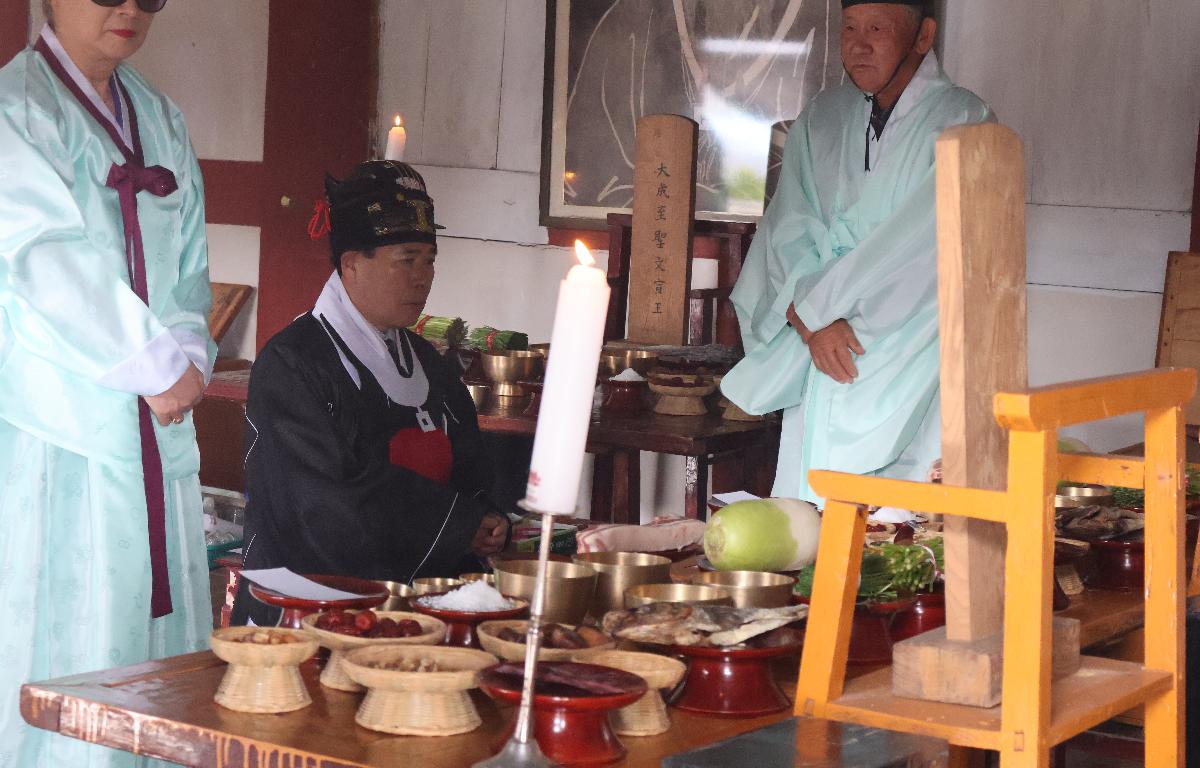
(691, 624)
(1097, 522)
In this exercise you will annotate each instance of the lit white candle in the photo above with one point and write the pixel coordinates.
(397, 138)
(566, 407)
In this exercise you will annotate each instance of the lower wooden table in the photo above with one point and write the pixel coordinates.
(165, 709)
(618, 440)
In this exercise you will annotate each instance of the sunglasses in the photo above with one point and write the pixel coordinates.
(149, 6)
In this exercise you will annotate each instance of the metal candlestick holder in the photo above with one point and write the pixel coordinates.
(522, 751)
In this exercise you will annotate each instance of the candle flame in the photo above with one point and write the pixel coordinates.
(583, 254)
(398, 121)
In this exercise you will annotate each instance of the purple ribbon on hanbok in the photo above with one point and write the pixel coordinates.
(128, 180)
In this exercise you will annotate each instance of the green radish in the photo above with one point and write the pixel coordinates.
(763, 535)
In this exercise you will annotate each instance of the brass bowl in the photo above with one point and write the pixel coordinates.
(467, 578)
(751, 589)
(614, 361)
(677, 593)
(479, 394)
(400, 592)
(429, 585)
(1083, 495)
(569, 587)
(618, 571)
(506, 367)
(542, 349)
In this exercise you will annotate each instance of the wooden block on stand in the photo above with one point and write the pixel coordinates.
(933, 668)
(664, 210)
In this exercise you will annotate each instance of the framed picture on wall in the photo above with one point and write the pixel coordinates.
(736, 67)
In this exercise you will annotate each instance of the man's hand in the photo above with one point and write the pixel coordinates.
(831, 347)
(489, 539)
(171, 406)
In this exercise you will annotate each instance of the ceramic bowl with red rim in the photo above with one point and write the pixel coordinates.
(462, 625)
(366, 594)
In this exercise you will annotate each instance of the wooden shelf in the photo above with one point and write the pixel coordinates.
(1101, 689)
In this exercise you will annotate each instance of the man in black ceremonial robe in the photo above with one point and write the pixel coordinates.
(363, 448)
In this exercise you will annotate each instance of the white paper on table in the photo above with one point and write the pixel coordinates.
(722, 499)
(286, 582)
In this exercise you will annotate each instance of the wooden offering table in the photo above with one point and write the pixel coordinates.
(165, 709)
(617, 441)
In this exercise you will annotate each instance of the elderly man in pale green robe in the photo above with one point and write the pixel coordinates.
(837, 300)
(104, 347)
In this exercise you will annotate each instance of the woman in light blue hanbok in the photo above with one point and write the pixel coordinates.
(104, 349)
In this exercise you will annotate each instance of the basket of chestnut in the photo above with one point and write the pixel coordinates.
(560, 642)
(342, 631)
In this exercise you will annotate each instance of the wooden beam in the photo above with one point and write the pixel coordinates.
(1124, 471)
(919, 497)
(322, 83)
(1061, 405)
(981, 300)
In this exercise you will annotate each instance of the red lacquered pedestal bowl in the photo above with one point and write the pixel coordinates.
(626, 396)
(570, 723)
(368, 595)
(461, 625)
(735, 681)
(928, 612)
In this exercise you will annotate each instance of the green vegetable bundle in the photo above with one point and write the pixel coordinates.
(451, 330)
(912, 568)
(890, 571)
(491, 340)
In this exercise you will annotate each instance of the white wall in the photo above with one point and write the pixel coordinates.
(1096, 91)
(210, 58)
(1100, 94)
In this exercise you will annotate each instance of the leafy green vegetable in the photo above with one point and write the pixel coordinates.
(912, 568)
(889, 571)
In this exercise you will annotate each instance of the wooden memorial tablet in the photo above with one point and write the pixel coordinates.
(664, 208)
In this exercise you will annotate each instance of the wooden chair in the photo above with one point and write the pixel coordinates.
(1035, 715)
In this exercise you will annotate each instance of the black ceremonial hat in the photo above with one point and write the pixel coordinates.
(381, 202)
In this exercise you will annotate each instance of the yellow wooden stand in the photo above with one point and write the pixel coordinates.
(1034, 715)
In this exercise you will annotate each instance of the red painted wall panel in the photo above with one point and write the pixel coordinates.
(322, 72)
(233, 192)
(14, 29)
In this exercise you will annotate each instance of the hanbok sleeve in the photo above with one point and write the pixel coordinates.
(62, 292)
(326, 509)
(190, 300)
(784, 246)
